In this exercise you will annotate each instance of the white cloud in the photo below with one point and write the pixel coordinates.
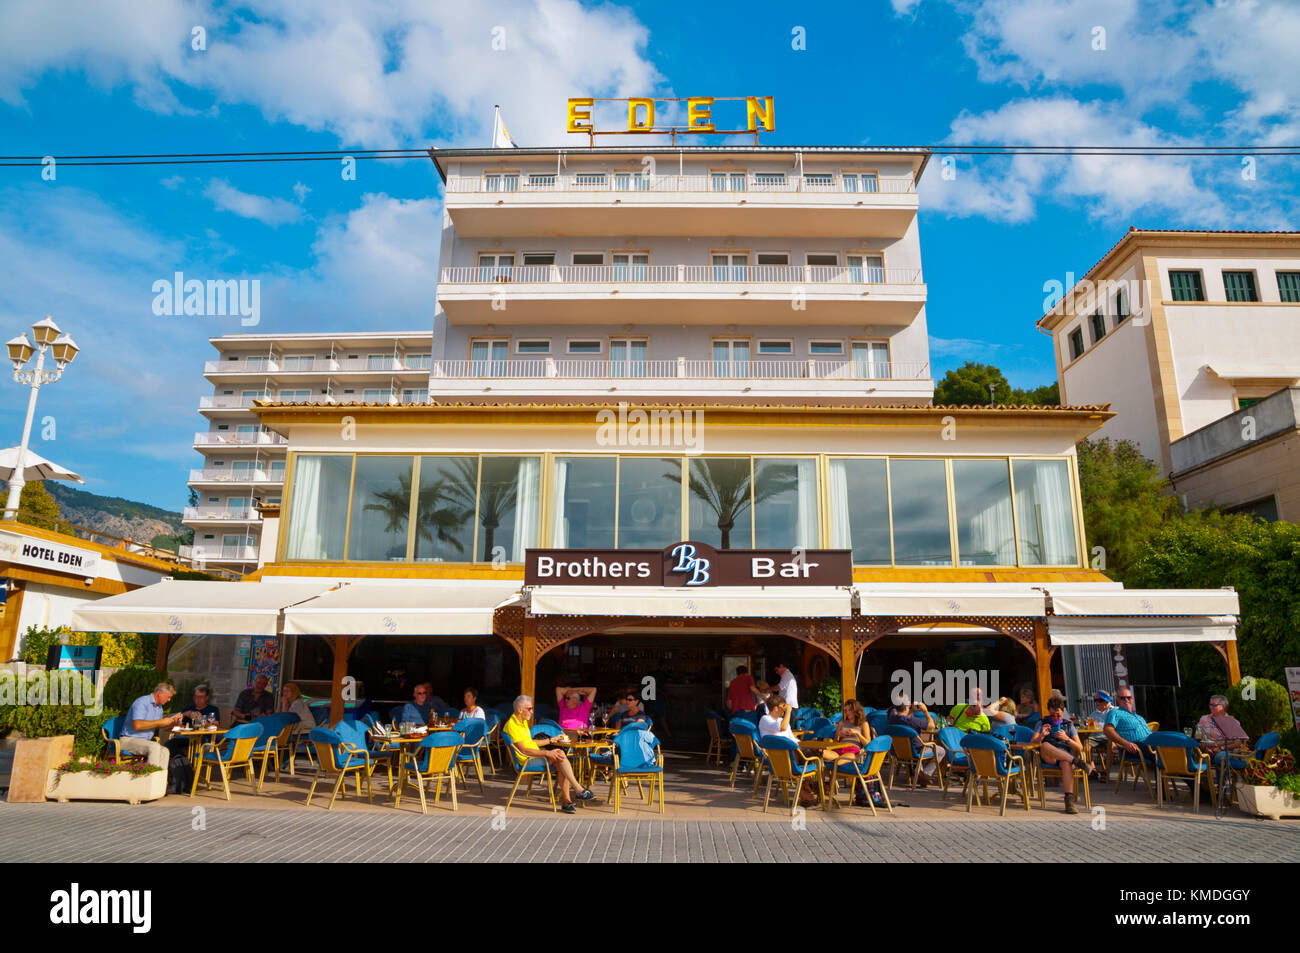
(373, 72)
(268, 211)
(301, 191)
(172, 182)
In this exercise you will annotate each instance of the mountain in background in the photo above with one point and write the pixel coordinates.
(118, 517)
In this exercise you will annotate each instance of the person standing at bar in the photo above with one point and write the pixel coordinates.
(740, 693)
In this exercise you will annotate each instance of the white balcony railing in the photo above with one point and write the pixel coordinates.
(681, 274)
(239, 475)
(226, 438)
(723, 187)
(320, 365)
(225, 402)
(683, 368)
(220, 513)
(219, 553)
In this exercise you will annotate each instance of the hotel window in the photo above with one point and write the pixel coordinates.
(1288, 286)
(584, 348)
(826, 348)
(501, 182)
(418, 362)
(776, 349)
(1044, 513)
(444, 513)
(769, 181)
(494, 267)
(631, 182)
(379, 362)
(866, 269)
(1240, 286)
(727, 181)
(1076, 343)
(719, 501)
(415, 395)
(318, 506)
(590, 180)
(253, 394)
(276, 470)
(231, 545)
(585, 502)
(508, 501)
(630, 266)
(300, 396)
(627, 357)
(533, 347)
(297, 362)
(541, 180)
(539, 258)
(1244, 402)
(785, 503)
(858, 493)
(819, 181)
(1121, 307)
(488, 357)
(871, 360)
(1098, 322)
(649, 503)
(730, 357)
(381, 508)
(377, 395)
(823, 259)
(860, 182)
(982, 498)
(588, 258)
(1186, 286)
(919, 509)
(730, 266)
(772, 258)
(256, 363)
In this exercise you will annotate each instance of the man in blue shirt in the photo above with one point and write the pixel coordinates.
(202, 707)
(143, 719)
(418, 709)
(1126, 727)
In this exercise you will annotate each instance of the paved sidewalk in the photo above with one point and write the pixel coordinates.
(83, 833)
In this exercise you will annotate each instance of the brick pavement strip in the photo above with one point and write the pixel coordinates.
(40, 832)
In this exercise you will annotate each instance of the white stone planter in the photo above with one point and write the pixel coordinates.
(1267, 801)
(85, 786)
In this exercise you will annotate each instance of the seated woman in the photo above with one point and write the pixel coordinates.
(575, 706)
(627, 711)
(291, 700)
(472, 709)
(1001, 712)
(1218, 732)
(1060, 746)
(855, 732)
(1028, 705)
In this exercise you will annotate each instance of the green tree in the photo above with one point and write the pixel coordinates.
(1124, 501)
(969, 384)
(36, 506)
(1048, 395)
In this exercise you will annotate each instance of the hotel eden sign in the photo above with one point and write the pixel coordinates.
(688, 564)
(760, 115)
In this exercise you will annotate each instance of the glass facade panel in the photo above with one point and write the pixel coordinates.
(919, 497)
(985, 532)
(1044, 513)
(585, 502)
(318, 512)
(649, 502)
(508, 507)
(785, 503)
(381, 508)
(444, 518)
(719, 502)
(859, 506)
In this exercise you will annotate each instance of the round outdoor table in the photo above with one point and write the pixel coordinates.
(584, 769)
(196, 737)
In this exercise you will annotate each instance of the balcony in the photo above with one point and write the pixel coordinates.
(839, 380)
(220, 514)
(214, 438)
(240, 475)
(679, 294)
(218, 554)
(291, 367)
(618, 204)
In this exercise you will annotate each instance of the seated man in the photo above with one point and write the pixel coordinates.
(1127, 728)
(1218, 732)
(253, 702)
(1097, 744)
(520, 735)
(201, 708)
(574, 705)
(417, 710)
(143, 719)
(918, 716)
(970, 717)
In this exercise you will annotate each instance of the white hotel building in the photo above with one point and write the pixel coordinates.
(772, 297)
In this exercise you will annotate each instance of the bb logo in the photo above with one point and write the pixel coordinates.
(696, 567)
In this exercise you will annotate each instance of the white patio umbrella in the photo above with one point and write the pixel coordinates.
(35, 467)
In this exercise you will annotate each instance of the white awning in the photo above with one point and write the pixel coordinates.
(361, 609)
(940, 600)
(190, 607)
(1145, 602)
(716, 601)
(1126, 630)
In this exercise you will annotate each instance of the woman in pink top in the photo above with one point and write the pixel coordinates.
(575, 706)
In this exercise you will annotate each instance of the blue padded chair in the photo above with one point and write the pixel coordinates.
(990, 760)
(337, 756)
(1136, 764)
(395, 713)
(835, 718)
(474, 733)
(380, 750)
(744, 738)
(111, 731)
(432, 759)
(1004, 732)
(1178, 756)
(905, 753)
(878, 720)
(817, 724)
(547, 727)
(868, 710)
(632, 763)
(866, 767)
(492, 737)
(274, 742)
(958, 761)
(544, 712)
(719, 739)
(786, 764)
(749, 716)
(235, 750)
(825, 732)
(530, 768)
(804, 715)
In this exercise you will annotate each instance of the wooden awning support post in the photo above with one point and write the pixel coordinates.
(528, 659)
(1234, 666)
(342, 646)
(848, 668)
(1043, 662)
(164, 643)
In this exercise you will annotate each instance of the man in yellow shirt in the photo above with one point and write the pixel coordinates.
(520, 735)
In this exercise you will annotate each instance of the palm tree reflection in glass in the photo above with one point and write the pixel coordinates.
(726, 487)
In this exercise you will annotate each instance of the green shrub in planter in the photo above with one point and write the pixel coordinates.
(1291, 741)
(1269, 709)
(826, 697)
(46, 721)
(127, 684)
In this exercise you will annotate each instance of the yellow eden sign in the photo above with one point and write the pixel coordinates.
(760, 115)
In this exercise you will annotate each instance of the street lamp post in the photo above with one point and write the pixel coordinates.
(49, 338)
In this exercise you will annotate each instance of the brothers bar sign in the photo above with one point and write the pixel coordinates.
(688, 564)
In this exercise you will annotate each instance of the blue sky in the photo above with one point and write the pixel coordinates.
(84, 76)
